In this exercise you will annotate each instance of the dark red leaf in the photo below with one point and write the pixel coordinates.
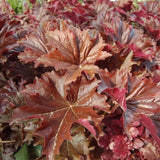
(121, 147)
(10, 32)
(143, 98)
(88, 126)
(143, 95)
(77, 51)
(136, 16)
(32, 1)
(147, 122)
(58, 106)
(104, 141)
(119, 95)
(10, 98)
(139, 53)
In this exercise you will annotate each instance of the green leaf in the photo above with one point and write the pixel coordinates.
(81, 1)
(13, 3)
(34, 151)
(38, 150)
(22, 154)
(17, 5)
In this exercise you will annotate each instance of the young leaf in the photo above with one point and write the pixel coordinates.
(121, 147)
(58, 106)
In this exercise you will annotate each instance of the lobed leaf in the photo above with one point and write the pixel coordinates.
(73, 50)
(58, 106)
(143, 98)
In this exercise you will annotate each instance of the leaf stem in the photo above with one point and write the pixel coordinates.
(3, 142)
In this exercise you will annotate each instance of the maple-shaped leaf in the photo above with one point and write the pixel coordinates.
(58, 106)
(71, 49)
(102, 6)
(143, 95)
(151, 7)
(115, 83)
(74, 12)
(79, 14)
(143, 98)
(121, 31)
(150, 22)
(105, 14)
(10, 32)
(119, 34)
(118, 94)
(126, 37)
(126, 5)
(117, 78)
(152, 25)
(77, 51)
(57, 7)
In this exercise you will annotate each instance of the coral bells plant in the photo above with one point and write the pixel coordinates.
(80, 80)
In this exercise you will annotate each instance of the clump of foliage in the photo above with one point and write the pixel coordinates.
(80, 80)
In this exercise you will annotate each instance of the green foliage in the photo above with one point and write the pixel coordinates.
(28, 152)
(17, 5)
(22, 154)
(135, 3)
(35, 150)
(80, 1)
